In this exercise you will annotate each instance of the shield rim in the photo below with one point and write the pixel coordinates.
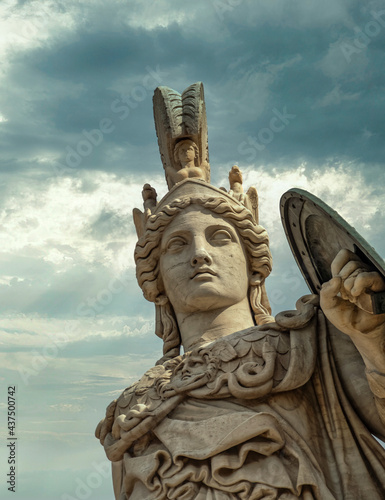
(299, 248)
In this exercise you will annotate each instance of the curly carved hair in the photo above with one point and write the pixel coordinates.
(147, 258)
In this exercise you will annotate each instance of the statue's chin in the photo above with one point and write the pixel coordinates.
(206, 297)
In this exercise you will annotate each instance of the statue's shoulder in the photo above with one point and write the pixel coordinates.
(148, 387)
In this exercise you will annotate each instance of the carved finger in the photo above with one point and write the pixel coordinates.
(98, 429)
(105, 425)
(349, 283)
(368, 281)
(329, 293)
(350, 268)
(344, 294)
(341, 259)
(103, 430)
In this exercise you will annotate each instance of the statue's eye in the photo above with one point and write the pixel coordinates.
(176, 243)
(221, 237)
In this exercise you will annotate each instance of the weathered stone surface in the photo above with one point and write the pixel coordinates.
(256, 407)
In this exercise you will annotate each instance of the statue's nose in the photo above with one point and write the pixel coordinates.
(201, 256)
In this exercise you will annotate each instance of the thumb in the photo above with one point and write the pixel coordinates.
(329, 292)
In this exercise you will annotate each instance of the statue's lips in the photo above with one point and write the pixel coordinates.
(203, 273)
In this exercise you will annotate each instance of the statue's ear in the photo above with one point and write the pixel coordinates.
(255, 278)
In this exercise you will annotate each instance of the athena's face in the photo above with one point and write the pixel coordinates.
(203, 262)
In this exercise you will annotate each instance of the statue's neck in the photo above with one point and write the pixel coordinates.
(187, 164)
(205, 326)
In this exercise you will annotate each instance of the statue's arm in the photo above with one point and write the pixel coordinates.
(346, 302)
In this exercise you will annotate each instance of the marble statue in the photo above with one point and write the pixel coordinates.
(255, 407)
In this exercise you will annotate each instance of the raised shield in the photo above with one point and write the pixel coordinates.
(316, 233)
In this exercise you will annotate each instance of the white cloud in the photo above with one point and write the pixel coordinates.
(342, 187)
(32, 24)
(335, 97)
(343, 60)
(51, 220)
(66, 408)
(37, 332)
(158, 14)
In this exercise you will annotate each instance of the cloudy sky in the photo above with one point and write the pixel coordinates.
(78, 142)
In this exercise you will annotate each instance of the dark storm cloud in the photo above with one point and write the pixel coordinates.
(97, 57)
(93, 61)
(54, 119)
(318, 132)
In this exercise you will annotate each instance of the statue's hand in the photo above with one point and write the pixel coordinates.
(104, 427)
(346, 298)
